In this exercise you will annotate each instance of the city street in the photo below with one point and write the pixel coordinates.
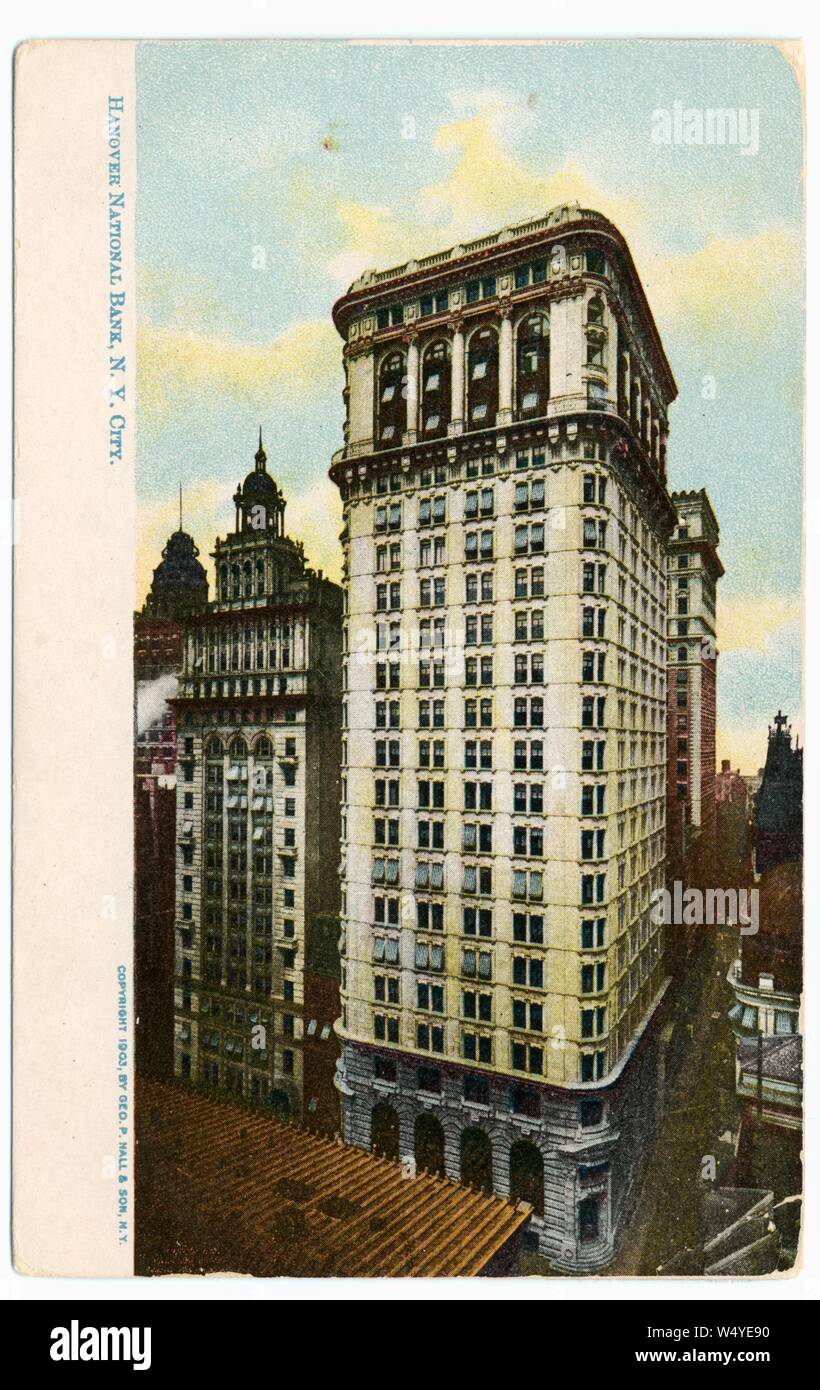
(699, 1108)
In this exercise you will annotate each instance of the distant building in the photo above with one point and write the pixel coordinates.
(731, 786)
(179, 585)
(693, 571)
(743, 1232)
(259, 744)
(767, 981)
(778, 826)
(733, 829)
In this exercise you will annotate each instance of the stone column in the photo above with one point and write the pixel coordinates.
(457, 382)
(412, 392)
(505, 369)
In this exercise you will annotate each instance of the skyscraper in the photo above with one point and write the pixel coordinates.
(694, 569)
(505, 524)
(179, 587)
(258, 720)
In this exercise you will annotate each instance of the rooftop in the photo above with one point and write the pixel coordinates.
(222, 1188)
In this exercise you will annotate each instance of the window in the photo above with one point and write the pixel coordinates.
(391, 409)
(482, 377)
(589, 1213)
(532, 367)
(477, 1090)
(591, 1113)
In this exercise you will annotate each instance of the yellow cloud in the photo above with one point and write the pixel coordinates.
(488, 187)
(171, 362)
(751, 624)
(727, 279)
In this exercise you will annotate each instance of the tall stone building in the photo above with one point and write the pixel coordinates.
(258, 736)
(179, 587)
(778, 828)
(505, 528)
(694, 569)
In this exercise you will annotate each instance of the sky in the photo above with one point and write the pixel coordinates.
(270, 174)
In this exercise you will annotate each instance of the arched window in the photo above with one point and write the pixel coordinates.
(248, 574)
(236, 581)
(428, 1137)
(223, 581)
(527, 1175)
(482, 379)
(214, 748)
(239, 748)
(595, 311)
(384, 1131)
(435, 390)
(476, 1159)
(533, 366)
(260, 576)
(264, 748)
(391, 406)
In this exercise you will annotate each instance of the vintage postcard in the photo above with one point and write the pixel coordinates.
(408, 644)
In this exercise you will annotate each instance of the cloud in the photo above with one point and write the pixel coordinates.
(486, 187)
(173, 363)
(754, 624)
(740, 283)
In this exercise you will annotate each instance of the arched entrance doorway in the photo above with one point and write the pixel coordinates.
(384, 1131)
(527, 1175)
(477, 1159)
(428, 1137)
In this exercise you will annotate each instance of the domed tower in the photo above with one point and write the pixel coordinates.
(179, 587)
(259, 504)
(257, 560)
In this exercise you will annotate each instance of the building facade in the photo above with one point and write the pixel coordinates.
(778, 815)
(694, 568)
(179, 587)
(504, 759)
(258, 738)
(767, 982)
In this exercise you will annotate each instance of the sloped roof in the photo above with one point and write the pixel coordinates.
(222, 1188)
(782, 1057)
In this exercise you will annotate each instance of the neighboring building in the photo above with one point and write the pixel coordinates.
(778, 825)
(505, 529)
(767, 982)
(222, 1188)
(258, 722)
(694, 569)
(154, 831)
(732, 787)
(744, 1232)
(733, 857)
(179, 585)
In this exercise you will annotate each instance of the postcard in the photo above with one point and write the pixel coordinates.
(408, 659)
